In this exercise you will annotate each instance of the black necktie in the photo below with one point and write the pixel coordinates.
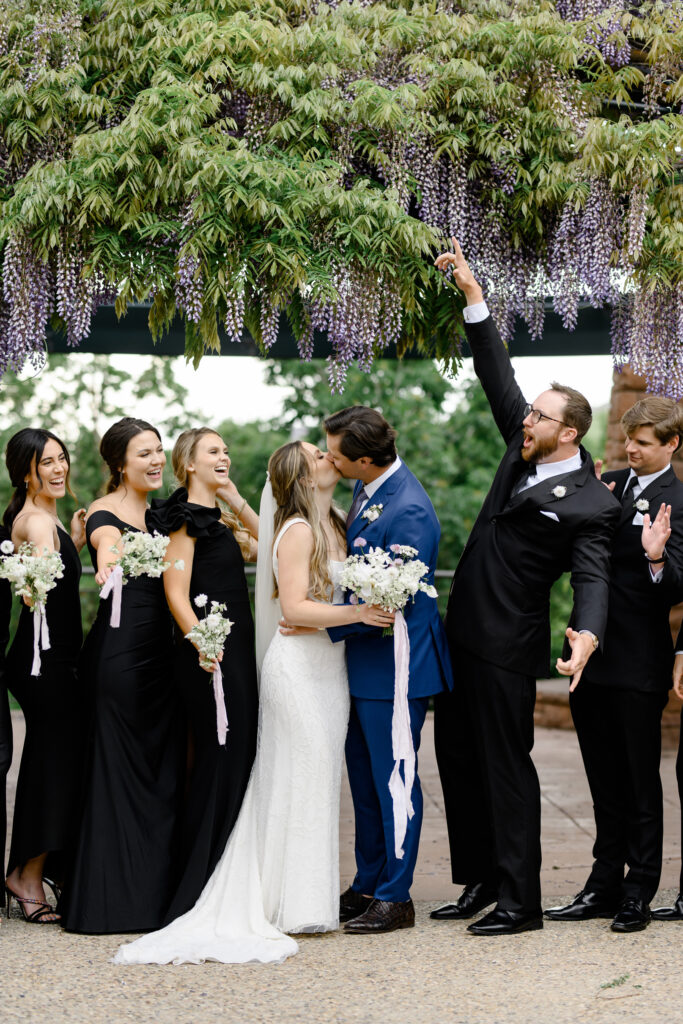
(627, 496)
(355, 507)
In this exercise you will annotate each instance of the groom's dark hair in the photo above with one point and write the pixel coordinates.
(363, 431)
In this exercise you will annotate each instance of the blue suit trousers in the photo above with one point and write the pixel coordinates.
(369, 762)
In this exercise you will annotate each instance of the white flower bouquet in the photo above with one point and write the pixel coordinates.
(391, 579)
(209, 636)
(387, 578)
(32, 576)
(142, 554)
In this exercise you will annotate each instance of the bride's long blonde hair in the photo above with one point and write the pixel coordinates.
(290, 473)
(181, 457)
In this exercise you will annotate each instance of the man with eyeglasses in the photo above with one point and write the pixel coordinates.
(545, 514)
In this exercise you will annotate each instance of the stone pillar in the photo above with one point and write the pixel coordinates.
(627, 388)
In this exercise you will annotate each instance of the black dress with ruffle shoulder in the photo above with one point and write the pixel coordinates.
(217, 775)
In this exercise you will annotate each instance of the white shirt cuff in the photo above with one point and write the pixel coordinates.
(476, 313)
(656, 576)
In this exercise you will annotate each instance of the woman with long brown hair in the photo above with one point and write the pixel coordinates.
(38, 464)
(124, 866)
(280, 869)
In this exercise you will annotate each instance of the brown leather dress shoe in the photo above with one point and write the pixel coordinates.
(352, 903)
(382, 916)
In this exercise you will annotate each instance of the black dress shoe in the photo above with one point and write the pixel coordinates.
(472, 899)
(506, 922)
(352, 903)
(674, 913)
(382, 916)
(633, 915)
(584, 907)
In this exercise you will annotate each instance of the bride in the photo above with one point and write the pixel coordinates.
(279, 872)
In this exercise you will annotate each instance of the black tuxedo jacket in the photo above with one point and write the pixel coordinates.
(499, 602)
(638, 651)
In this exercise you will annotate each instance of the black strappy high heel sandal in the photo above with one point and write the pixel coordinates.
(38, 916)
(55, 886)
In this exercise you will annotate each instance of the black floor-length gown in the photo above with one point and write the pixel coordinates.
(218, 775)
(52, 759)
(124, 865)
(5, 718)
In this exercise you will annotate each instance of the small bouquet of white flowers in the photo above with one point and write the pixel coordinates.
(142, 554)
(391, 579)
(32, 576)
(209, 636)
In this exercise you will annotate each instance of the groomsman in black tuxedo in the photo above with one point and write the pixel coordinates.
(5, 719)
(546, 513)
(617, 710)
(675, 913)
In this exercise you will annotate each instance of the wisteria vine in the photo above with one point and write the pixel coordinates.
(591, 235)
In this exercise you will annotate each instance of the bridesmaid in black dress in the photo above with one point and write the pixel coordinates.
(5, 719)
(123, 874)
(51, 761)
(213, 548)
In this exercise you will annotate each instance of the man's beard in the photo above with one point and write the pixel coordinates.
(542, 447)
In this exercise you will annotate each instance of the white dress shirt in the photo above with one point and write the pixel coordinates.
(641, 483)
(476, 313)
(546, 470)
(375, 485)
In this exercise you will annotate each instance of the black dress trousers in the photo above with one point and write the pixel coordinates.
(484, 734)
(619, 732)
(679, 779)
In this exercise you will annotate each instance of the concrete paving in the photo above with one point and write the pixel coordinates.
(432, 974)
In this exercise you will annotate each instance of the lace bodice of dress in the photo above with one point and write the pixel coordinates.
(334, 566)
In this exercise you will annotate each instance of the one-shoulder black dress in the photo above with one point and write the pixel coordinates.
(124, 866)
(51, 761)
(218, 775)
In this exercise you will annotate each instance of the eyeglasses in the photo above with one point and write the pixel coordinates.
(537, 416)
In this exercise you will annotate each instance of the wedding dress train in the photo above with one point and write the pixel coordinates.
(280, 869)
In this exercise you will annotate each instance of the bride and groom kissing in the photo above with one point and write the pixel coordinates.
(326, 683)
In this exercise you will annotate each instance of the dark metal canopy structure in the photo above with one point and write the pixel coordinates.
(131, 336)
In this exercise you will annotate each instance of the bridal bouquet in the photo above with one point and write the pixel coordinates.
(209, 636)
(391, 579)
(387, 578)
(142, 554)
(32, 576)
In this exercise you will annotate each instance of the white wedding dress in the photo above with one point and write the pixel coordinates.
(280, 869)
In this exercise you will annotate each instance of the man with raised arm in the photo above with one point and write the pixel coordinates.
(545, 514)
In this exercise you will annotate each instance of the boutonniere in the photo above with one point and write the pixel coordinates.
(559, 491)
(372, 513)
(642, 505)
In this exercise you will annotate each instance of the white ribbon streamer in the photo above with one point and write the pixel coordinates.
(221, 713)
(114, 583)
(401, 737)
(41, 637)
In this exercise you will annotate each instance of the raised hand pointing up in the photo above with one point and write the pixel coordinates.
(462, 275)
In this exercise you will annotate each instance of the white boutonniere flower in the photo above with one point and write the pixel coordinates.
(642, 504)
(559, 491)
(372, 513)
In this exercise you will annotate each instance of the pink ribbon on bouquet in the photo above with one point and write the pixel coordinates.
(401, 737)
(41, 637)
(114, 583)
(221, 713)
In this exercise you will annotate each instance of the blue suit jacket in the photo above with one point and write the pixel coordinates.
(408, 517)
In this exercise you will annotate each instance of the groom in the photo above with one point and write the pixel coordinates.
(389, 506)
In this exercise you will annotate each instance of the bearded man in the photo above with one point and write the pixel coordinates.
(545, 514)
